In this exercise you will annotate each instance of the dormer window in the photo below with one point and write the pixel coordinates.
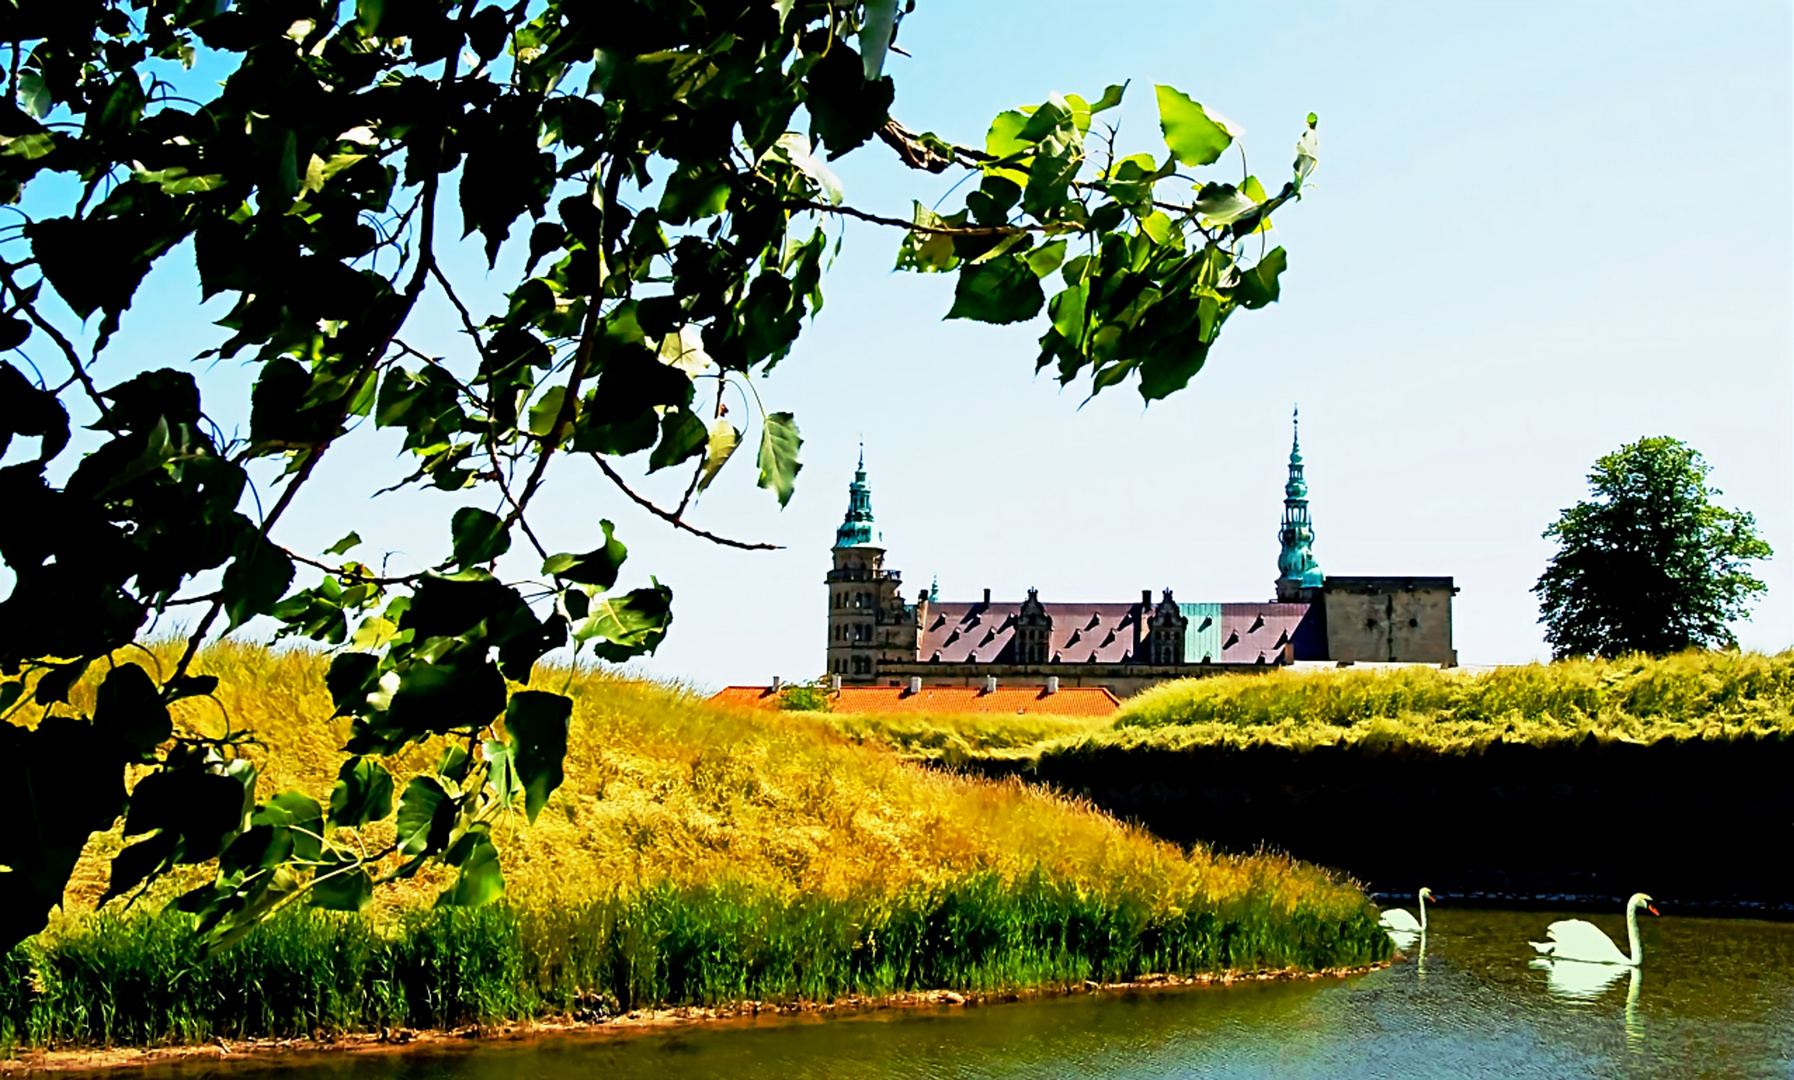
(1033, 631)
(1166, 634)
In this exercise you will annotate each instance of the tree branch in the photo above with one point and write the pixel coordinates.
(673, 519)
(938, 230)
(62, 343)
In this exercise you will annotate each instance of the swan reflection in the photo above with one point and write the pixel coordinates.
(1576, 981)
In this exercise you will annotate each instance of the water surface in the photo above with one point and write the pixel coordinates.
(1714, 999)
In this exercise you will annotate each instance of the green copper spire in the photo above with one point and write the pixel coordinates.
(1296, 568)
(857, 528)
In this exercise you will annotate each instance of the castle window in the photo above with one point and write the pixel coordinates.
(1167, 632)
(862, 665)
(1033, 630)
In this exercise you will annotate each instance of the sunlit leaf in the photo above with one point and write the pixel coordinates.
(1194, 139)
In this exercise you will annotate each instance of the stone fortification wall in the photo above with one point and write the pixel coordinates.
(1390, 619)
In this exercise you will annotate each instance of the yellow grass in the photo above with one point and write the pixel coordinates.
(1689, 696)
(662, 788)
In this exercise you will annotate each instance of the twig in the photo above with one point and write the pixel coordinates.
(673, 520)
(63, 343)
(939, 230)
(349, 572)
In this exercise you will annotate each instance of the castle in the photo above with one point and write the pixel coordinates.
(876, 638)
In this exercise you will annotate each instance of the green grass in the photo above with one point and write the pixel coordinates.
(143, 981)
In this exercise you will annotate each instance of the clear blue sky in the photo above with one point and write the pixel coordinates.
(1540, 231)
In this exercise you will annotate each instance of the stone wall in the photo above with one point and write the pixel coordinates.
(1389, 619)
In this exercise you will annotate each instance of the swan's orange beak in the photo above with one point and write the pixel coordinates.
(1650, 909)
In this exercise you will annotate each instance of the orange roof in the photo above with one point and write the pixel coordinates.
(1068, 701)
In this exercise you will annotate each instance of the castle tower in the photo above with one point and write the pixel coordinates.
(1296, 567)
(867, 618)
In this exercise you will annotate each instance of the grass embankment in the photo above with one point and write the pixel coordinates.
(693, 856)
(1637, 699)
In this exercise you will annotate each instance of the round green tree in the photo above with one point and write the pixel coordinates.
(1650, 564)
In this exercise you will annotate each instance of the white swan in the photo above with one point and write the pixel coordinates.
(1399, 921)
(1574, 939)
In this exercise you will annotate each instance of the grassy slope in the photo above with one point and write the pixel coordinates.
(693, 855)
(1695, 695)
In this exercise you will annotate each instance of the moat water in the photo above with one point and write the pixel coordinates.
(1715, 998)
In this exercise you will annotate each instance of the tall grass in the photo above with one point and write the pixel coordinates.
(144, 981)
(1637, 698)
(693, 855)
(1692, 695)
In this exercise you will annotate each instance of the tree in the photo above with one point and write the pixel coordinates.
(1651, 564)
(315, 156)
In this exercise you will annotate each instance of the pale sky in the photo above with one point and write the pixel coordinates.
(1538, 232)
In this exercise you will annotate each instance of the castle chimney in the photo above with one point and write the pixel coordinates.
(1052, 684)
(834, 683)
(987, 596)
(915, 684)
(990, 684)
(1145, 598)
(777, 684)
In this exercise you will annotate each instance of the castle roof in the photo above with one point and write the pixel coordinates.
(1067, 701)
(960, 632)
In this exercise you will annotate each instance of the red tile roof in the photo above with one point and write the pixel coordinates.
(1068, 701)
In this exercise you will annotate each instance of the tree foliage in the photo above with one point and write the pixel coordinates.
(665, 165)
(1651, 564)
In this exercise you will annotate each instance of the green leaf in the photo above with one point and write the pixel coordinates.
(546, 410)
(1260, 285)
(480, 881)
(1157, 227)
(129, 710)
(779, 444)
(426, 817)
(537, 722)
(501, 771)
(134, 864)
(342, 887)
(1194, 139)
(1111, 97)
(596, 567)
(363, 793)
(342, 546)
(255, 580)
(479, 536)
(1067, 311)
(1046, 259)
(1308, 149)
(1222, 204)
(54, 685)
(682, 437)
(1004, 290)
(875, 35)
(621, 627)
(796, 148)
(724, 438)
(300, 813)
(929, 252)
(35, 95)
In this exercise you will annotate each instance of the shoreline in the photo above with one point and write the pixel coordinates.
(263, 1053)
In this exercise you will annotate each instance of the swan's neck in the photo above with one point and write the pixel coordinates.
(1422, 898)
(1632, 935)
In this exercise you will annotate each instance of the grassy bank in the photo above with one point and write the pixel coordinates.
(693, 856)
(1691, 696)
